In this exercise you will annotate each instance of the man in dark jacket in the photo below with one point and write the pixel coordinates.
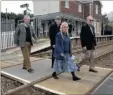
(70, 29)
(24, 37)
(88, 42)
(53, 30)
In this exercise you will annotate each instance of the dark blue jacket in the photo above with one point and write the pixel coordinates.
(59, 46)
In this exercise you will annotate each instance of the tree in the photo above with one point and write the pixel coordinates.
(110, 16)
(13, 16)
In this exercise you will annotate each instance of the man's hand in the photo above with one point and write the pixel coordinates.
(84, 49)
(62, 56)
(34, 41)
(53, 46)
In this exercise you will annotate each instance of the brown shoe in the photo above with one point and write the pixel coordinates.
(93, 70)
(30, 70)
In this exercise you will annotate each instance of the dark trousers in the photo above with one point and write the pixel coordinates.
(52, 57)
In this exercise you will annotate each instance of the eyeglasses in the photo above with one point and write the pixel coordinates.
(65, 27)
(91, 20)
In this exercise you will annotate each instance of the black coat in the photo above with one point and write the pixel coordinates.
(53, 30)
(87, 37)
(70, 28)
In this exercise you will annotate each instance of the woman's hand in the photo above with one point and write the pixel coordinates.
(62, 56)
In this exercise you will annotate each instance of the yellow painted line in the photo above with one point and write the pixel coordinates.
(39, 86)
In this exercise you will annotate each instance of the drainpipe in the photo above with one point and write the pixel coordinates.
(91, 8)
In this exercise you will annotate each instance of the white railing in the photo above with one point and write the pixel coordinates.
(99, 39)
(7, 40)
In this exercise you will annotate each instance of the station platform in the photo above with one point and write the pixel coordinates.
(64, 85)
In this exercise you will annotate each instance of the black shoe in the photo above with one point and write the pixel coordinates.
(54, 76)
(92, 70)
(30, 70)
(76, 78)
(24, 68)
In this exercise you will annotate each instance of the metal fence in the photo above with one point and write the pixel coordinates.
(7, 32)
(7, 25)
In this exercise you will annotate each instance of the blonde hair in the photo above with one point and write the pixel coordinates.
(61, 26)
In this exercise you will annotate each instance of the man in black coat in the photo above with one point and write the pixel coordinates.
(88, 42)
(70, 29)
(53, 30)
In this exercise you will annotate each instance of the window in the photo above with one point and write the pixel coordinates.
(96, 10)
(80, 8)
(66, 3)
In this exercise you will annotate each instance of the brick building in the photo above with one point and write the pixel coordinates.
(72, 11)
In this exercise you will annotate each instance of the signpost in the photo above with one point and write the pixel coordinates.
(27, 8)
(24, 5)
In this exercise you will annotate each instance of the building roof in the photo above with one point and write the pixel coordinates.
(84, 1)
(62, 15)
(89, 1)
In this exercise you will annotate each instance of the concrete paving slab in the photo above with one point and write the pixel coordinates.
(112, 76)
(104, 90)
(109, 82)
(41, 68)
(68, 87)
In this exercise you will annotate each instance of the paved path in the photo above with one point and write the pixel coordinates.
(64, 85)
(106, 88)
(42, 68)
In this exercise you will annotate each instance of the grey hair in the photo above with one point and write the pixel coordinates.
(89, 17)
(26, 16)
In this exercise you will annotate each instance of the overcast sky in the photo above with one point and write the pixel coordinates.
(14, 6)
(107, 6)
